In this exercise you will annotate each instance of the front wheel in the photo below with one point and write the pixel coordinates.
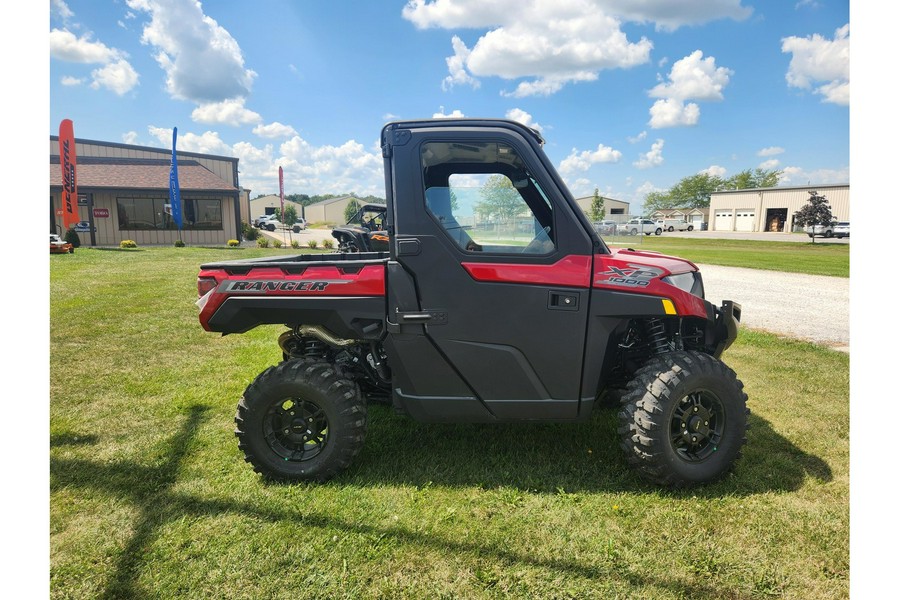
(683, 419)
(301, 421)
(634, 232)
(658, 231)
(690, 227)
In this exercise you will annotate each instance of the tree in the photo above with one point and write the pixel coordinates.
(351, 210)
(816, 212)
(290, 214)
(757, 178)
(500, 199)
(597, 210)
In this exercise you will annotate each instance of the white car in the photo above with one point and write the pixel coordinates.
(272, 224)
(675, 224)
(636, 226)
(259, 221)
(822, 230)
(842, 229)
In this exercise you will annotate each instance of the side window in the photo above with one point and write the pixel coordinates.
(485, 199)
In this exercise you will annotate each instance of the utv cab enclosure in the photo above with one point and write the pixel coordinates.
(496, 301)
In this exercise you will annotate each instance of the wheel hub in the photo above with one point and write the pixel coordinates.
(697, 426)
(296, 429)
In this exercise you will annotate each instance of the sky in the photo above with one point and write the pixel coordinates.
(631, 96)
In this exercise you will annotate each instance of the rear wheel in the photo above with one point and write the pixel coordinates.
(671, 229)
(300, 420)
(659, 231)
(690, 227)
(683, 419)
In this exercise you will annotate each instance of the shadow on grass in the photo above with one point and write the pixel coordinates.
(149, 488)
(111, 249)
(69, 438)
(548, 457)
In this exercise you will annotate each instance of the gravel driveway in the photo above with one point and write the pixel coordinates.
(809, 307)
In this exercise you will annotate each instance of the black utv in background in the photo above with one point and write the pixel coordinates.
(364, 232)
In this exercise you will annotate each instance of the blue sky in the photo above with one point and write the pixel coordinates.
(631, 96)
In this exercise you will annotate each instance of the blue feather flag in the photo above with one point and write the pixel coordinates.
(174, 189)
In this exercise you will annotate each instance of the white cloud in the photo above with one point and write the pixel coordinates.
(208, 142)
(554, 43)
(119, 77)
(584, 160)
(673, 113)
(332, 169)
(456, 114)
(130, 137)
(799, 176)
(228, 112)
(456, 64)
(517, 114)
(115, 74)
(639, 137)
(70, 81)
(669, 15)
(203, 63)
(691, 78)
(819, 61)
(653, 158)
(770, 164)
(60, 9)
(65, 46)
(274, 130)
(715, 171)
(694, 78)
(771, 151)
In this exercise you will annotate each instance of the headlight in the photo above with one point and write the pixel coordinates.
(691, 283)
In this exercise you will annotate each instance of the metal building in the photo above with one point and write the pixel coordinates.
(123, 194)
(772, 209)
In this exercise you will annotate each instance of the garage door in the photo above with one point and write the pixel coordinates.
(744, 220)
(723, 220)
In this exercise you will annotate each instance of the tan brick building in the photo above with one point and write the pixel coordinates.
(123, 193)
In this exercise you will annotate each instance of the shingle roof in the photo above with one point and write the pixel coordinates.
(140, 175)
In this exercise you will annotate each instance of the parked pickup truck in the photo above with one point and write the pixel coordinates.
(459, 322)
(675, 225)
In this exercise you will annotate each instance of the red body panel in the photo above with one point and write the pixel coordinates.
(622, 271)
(325, 280)
(571, 271)
(642, 273)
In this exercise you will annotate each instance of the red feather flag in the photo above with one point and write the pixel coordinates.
(67, 163)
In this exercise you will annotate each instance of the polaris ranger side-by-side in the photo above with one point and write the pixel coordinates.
(496, 301)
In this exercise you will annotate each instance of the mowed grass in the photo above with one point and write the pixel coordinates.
(791, 257)
(150, 497)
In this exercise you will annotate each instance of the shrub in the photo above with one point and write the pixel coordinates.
(72, 238)
(277, 243)
(128, 244)
(262, 242)
(312, 243)
(179, 244)
(249, 233)
(295, 244)
(328, 244)
(233, 243)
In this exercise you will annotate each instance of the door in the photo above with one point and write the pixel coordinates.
(501, 270)
(745, 220)
(723, 220)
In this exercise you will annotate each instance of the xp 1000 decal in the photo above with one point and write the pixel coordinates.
(629, 276)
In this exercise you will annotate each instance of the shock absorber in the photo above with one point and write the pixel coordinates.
(656, 336)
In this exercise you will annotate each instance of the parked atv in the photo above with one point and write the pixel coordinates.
(364, 232)
(531, 319)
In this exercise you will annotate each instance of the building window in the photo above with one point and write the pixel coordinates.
(153, 214)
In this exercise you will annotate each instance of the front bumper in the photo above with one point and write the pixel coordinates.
(724, 326)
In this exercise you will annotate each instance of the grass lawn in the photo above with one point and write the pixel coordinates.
(791, 257)
(150, 497)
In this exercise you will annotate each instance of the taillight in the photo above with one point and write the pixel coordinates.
(205, 285)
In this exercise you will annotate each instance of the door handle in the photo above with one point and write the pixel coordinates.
(559, 300)
(433, 317)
